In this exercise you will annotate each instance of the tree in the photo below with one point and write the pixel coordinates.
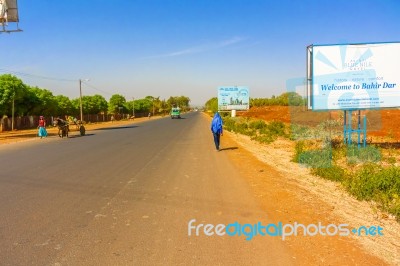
(163, 106)
(100, 104)
(76, 107)
(212, 105)
(179, 101)
(116, 101)
(27, 103)
(143, 105)
(11, 89)
(64, 105)
(156, 104)
(295, 99)
(94, 104)
(285, 99)
(48, 104)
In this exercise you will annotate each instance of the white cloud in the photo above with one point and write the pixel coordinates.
(201, 48)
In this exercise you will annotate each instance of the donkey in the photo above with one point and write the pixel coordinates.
(63, 127)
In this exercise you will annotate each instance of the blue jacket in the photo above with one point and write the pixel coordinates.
(216, 124)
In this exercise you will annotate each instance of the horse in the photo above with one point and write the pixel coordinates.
(63, 127)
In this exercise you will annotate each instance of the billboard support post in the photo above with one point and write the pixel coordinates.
(344, 126)
(365, 131)
(358, 127)
(348, 128)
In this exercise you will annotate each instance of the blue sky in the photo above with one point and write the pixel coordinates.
(175, 47)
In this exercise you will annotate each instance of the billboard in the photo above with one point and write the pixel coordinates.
(353, 76)
(8, 11)
(233, 98)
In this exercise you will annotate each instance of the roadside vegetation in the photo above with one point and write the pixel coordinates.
(258, 130)
(34, 101)
(368, 173)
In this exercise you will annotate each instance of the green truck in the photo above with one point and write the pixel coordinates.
(175, 112)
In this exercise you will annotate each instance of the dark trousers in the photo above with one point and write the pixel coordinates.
(216, 140)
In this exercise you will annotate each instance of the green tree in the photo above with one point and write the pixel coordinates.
(27, 103)
(116, 101)
(178, 101)
(100, 104)
(11, 89)
(163, 107)
(285, 99)
(143, 105)
(212, 105)
(75, 103)
(95, 104)
(48, 104)
(88, 106)
(64, 105)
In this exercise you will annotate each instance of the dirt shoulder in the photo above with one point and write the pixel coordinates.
(289, 193)
(8, 137)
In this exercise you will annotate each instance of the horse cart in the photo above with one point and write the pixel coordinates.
(64, 126)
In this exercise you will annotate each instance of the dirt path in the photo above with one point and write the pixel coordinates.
(8, 137)
(291, 194)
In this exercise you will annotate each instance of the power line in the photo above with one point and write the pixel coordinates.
(35, 76)
(93, 87)
(51, 78)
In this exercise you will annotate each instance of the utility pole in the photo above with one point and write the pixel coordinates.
(133, 109)
(12, 116)
(80, 98)
(153, 106)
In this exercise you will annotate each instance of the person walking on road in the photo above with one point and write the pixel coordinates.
(42, 133)
(216, 129)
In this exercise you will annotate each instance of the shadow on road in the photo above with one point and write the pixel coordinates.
(112, 128)
(229, 148)
(78, 136)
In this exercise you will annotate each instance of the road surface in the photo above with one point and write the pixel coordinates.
(125, 196)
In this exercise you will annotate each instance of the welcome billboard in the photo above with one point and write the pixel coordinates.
(233, 98)
(354, 76)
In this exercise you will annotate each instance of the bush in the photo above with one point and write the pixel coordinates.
(243, 128)
(277, 128)
(373, 180)
(333, 173)
(299, 148)
(363, 154)
(238, 125)
(298, 132)
(316, 158)
(257, 129)
(266, 139)
(394, 208)
(229, 124)
(257, 125)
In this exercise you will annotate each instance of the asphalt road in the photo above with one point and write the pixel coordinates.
(125, 196)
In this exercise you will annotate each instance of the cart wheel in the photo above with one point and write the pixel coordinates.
(82, 130)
